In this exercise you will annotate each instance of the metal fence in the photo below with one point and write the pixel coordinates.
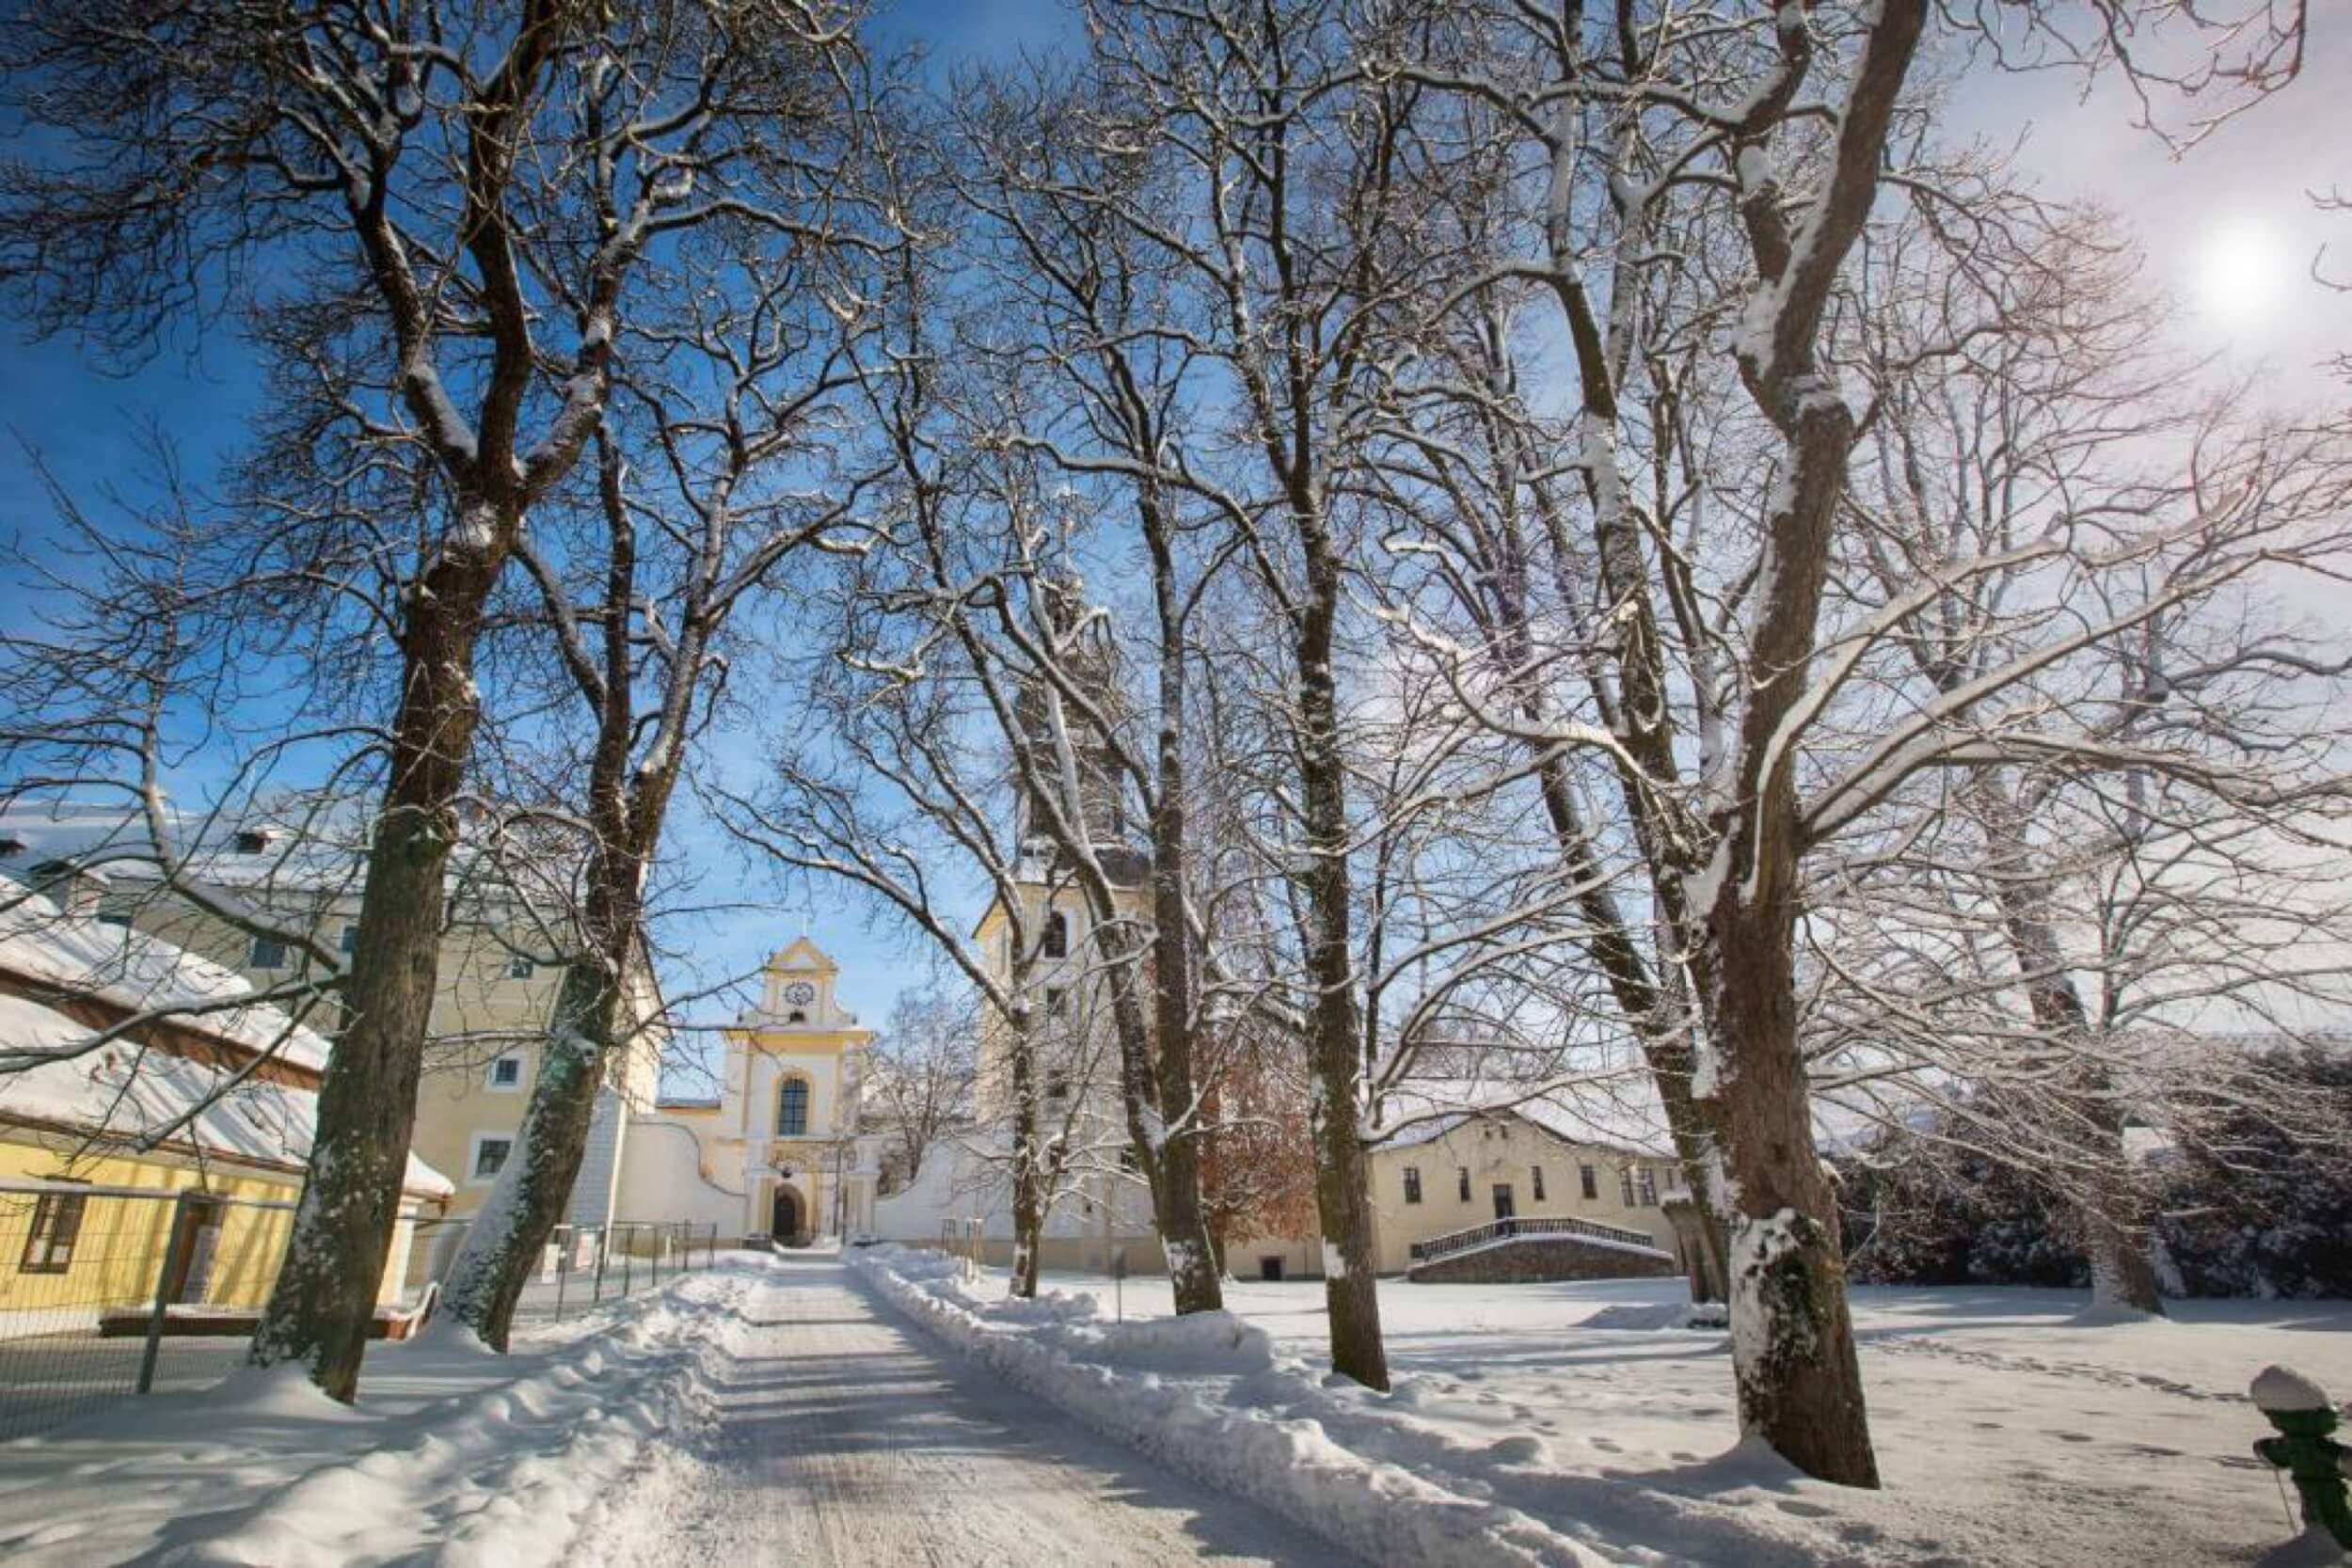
(1534, 1224)
(107, 1291)
(112, 1291)
(581, 1265)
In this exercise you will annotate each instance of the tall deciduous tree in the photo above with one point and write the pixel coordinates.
(439, 212)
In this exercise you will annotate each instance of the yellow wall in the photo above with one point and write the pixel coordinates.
(121, 1246)
(477, 997)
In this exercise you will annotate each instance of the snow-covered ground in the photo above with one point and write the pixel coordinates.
(2010, 1431)
(764, 1412)
(454, 1455)
(770, 1410)
(839, 1437)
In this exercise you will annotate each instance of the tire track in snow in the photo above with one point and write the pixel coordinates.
(838, 1437)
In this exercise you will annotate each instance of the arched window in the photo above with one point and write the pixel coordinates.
(792, 1109)
(1057, 935)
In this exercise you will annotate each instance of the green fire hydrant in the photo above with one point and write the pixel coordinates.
(2316, 1463)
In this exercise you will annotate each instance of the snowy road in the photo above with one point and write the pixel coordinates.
(842, 1435)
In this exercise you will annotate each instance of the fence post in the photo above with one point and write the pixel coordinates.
(172, 1249)
(627, 1264)
(657, 1257)
(562, 1269)
(604, 1248)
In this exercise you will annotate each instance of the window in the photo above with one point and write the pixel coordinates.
(1625, 1185)
(351, 937)
(1650, 1187)
(119, 915)
(268, 952)
(1591, 1181)
(11, 845)
(1057, 935)
(1058, 1085)
(1056, 1003)
(507, 1074)
(57, 1223)
(792, 1108)
(519, 968)
(489, 1155)
(1127, 1160)
(1462, 1182)
(1537, 1187)
(252, 841)
(1412, 1183)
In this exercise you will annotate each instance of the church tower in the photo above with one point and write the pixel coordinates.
(1089, 659)
(780, 1153)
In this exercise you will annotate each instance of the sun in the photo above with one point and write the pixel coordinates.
(2243, 271)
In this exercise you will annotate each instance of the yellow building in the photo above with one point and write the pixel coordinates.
(1463, 1170)
(1452, 1172)
(493, 1000)
(778, 1152)
(148, 1078)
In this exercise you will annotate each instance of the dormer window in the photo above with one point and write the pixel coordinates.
(11, 846)
(251, 841)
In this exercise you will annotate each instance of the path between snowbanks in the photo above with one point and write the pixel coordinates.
(1116, 1379)
(455, 1455)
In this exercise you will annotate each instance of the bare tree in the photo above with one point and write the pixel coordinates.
(731, 396)
(2141, 843)
(453, 188)
(923, 1075)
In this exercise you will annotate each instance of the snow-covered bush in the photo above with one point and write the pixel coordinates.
(2248, 1209)
(2255, 1210)
(1913, 1217)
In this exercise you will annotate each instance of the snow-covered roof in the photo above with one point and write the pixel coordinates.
(301, 845)
(144, 974)
(1429, 1111)
(262, 852)
(122, 1094)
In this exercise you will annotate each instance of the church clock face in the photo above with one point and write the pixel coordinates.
(800, 994)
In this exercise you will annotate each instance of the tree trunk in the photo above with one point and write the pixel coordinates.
(1170, 1166)
(2122, 1276)
(1660, 1021)
(1193, 1268)
(1799, 1381)
(323, 1303)
(1334, 1028)
(1029, 1195)
(2110, 1215)
(504, 1244)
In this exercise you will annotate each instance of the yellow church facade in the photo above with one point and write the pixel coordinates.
(776, 1152)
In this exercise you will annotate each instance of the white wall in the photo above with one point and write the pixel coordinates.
(663, 1177)
(960, 1180)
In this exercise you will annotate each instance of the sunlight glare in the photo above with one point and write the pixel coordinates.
(2243, 273)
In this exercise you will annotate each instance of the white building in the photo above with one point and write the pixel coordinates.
(778, 1153)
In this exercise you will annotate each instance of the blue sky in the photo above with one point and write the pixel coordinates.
(2229, 231)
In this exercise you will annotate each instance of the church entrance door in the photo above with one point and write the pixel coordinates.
(786, 1227)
